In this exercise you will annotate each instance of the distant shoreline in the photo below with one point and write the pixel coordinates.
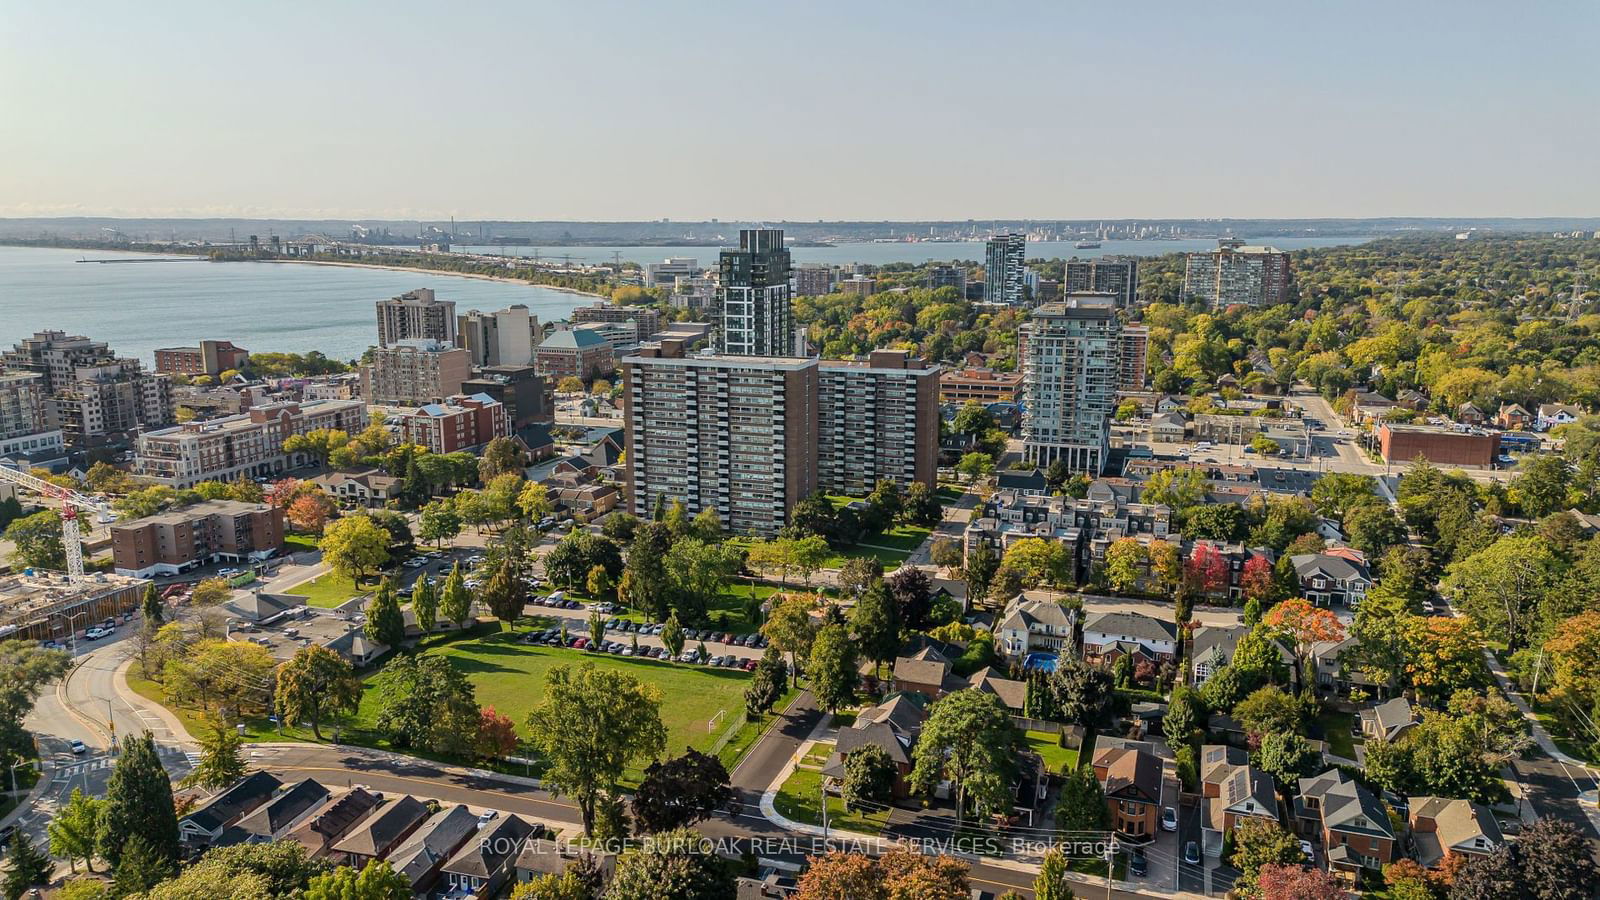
(479, 276)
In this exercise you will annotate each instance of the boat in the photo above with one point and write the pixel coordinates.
(1087, 245)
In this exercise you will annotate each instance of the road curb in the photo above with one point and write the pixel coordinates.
(39, 788)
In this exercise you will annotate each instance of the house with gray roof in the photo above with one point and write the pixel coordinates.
(1029, 484)
(541, 857)
(1331, 580)
(1348, 820)
(207, 822)
(1213, 646)
(281, 814)
(1109, 635)
(481, 866)
(1443, 828)
(893, 726)
(1233, 791)
(425, 852)
(381, 831)
(1034, 621)
(333, 820)
(1388, 721)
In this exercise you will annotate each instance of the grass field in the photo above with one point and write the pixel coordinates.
(1336, 731)
(299, 543)
(509, 676)
(798, 797)
(1057, 759)
(327, 591)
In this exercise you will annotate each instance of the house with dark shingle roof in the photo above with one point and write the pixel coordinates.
(425, 852)
(1109, 635)
(892, 725)
(483, 864)
(1030, 484)
(1131, 780)
(1328, 579)
(1234, 791)
(206, 823)
(1443, 828)
(381, 831)
(1349, 822)
(283, 812)
(332, 821)
(541, 857)
(1034, 621)
(1388, 721)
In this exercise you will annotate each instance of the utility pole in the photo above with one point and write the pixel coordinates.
(822, 797)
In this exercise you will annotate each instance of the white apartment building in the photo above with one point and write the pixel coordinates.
(249, 444)
(1071, 364)
(414, 372)
(502, 338)
(416, 315)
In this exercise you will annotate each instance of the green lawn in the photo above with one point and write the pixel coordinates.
(327, 591)
(1057, 759)
(509, 677)
(1336, 731)
(798, 797)
(299, 543)
(749, 732)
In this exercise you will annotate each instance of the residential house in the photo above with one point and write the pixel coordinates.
(535, 440)
(359, 487)
(1331, 580)
(1131, 780)
(1470, 414)
(381, 831)
(1331, 674)
(584, 497)
(1234, 792)
(1029, 484)
(1212, 646)
(207, 822)
(1443, 829)
(1168, 428)
(1412, 400)
(1035, 622)
(425, 852)
(282, 813)
(481, 866)
(892, 725)
(926, 672)
(1110, 635)
(1513, 417)
(1013, 694)
(541, 857)
(1553, 414)
(1349, 822)
(333, 820)
(1388, 721)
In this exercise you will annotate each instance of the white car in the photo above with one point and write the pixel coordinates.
(1169, 819)
(94, 634)
(415, 562)
(1309, 851)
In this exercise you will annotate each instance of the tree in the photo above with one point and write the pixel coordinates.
(645, 582)
(1257, 584)
(1082, 692)
(975, 465)
(1277, 881)
(496, 735)
(869, 777)
(385, 623)
(506, 591)
(25, 668)
(425, 604)
(672, 635)
(439, 522)
(1126, 560)
(697, 574)
(354, 546)
(875, 623)
(1183, 716)
(37, 539)
(150, 607)
(138, 803)
(1269, 711)
(677, 865)
(590, 724)
(768, 683)
(1542, 485)
(1305, 624)
(1445, 654)
(500, 457)
(841, 876)
(1214, 522)
(72, 831)
(789, 627)
(314, 684)
(455, 601)
(681, 791)
(1287, 757)
(1389, 766)
(973, 418)
(897, 875)
(1177, 489)
(1258, 843)
(1491, 876)
(377, 880)
(1373, 528)
(534, 501)
(1052, 882)
(141, 868)
(278, 869)
(969, 741)
(912, 592)
(1502, 586)
(221, 762)
(310, 511)
(426, 703)
(945, 553)
(921, 505)
(979, 571)
(550, 886)
(1557, 861)
(1205, 573)
(1081, 805)
(318, 443)
(832, 666)
(1337, 493)
(222, 677)
(859, 573)
(210, 592)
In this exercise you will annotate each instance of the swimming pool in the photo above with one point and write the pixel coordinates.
(1044, 662)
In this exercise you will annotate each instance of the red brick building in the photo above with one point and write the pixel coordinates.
(459, 423)
(180, 539)
(210, 358)
(1441, 446)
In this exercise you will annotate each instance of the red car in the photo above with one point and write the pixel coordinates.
(580, 643)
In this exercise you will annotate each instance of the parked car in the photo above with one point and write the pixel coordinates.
(1309, 851)
(1191, 853)
(1169, 819)
(1137, 866)
(94, 633)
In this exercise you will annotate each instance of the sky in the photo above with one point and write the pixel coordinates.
(864, 110)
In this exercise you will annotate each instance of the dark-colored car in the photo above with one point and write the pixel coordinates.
(1137, 865)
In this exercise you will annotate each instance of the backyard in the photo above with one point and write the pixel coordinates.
(1057, 759)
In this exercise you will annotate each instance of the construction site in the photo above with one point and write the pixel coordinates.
(47, 606)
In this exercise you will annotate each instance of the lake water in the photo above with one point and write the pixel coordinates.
(137, 307)
(879, 254)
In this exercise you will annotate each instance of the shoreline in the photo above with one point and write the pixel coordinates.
(481, 277)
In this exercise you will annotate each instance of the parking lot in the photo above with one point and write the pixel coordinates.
(620, 637)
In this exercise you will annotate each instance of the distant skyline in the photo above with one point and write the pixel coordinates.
(838, 111)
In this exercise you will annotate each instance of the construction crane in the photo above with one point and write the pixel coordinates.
(73, 505)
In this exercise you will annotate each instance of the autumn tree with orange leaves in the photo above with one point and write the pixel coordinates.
(1306, 624)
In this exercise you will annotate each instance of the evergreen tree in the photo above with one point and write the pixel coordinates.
(385, 623)
(142, 868)
(220, 761)
(425, 604)
(26, 866)
(455, 603)
(150, 607)
(139, 802)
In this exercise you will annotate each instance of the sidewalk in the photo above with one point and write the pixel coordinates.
(1542, 737)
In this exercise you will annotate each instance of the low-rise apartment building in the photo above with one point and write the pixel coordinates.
(209, 358)
(456, 423)
(647, 321)
(579, 352)
(181, 539)
(249, 444)
(986, 386)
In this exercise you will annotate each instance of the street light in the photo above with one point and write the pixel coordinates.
(72, 628)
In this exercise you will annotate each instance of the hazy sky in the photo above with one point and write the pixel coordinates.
(868, 109)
